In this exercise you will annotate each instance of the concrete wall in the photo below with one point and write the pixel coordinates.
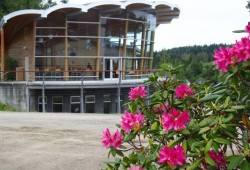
(15, 95)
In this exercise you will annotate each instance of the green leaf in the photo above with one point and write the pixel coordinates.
(129, 137)
(118, 125)
(225, 104)
(141, 158)
(155, 126)
(220, 91)
(110, 167)
(230, 110)
(195, 164)
(185, 132)
(151, 141)
(236, 161)
(245, 165)
(228, 77)
(239, 107)
(133, 107)
(174, 142)
(208, 145)
(222, 140)
(206, 121)
(113, 152)
(119, 152)
(184, 145)
(245, 142)
(209, 160)
(228, 118)
(209, 97)
(204, 130)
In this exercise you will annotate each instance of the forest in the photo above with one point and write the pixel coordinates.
(197, 61)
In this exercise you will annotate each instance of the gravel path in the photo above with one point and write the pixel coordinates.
(46, 141)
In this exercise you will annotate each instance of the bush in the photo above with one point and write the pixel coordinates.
(187, 126)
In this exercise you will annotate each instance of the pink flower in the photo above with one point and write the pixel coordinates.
(247, 29)
(223, 59)
(133, 167)
(175, 120)
(114, 141)
(241, 50)
(137, 92)
(132, 121)
(172, 156)
(183, 91)
(218, 159)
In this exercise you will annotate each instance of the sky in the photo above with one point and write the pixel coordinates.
(201, 22)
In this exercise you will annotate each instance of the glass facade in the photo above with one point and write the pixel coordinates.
(67, 45)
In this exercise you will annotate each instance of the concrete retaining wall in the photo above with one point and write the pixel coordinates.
(15, 95)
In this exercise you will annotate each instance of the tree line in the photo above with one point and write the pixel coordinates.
(197, 61)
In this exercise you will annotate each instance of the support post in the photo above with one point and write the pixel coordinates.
(81, 99)
(119, 92)
(43, 95)
(2, 54)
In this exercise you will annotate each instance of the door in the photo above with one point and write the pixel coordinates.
(111, 68)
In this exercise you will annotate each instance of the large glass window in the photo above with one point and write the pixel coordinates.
(107, 103)
(90, 103)
(40, 103)
(57, 103)
(75, 104)
(70, 43)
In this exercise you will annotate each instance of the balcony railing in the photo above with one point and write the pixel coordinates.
(74, 75)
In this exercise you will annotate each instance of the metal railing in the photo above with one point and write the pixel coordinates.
(74, 75)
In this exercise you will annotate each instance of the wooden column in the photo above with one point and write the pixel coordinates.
(66, 60)
(124, 49)
(2, 54)
(142, 48)
(151, 49)
(98, 49)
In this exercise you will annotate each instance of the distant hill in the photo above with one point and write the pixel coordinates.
(197, 61)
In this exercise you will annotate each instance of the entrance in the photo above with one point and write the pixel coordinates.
(111, 68)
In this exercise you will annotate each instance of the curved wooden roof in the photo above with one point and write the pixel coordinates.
(164, 11)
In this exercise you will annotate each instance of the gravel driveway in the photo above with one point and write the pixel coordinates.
(45, 141)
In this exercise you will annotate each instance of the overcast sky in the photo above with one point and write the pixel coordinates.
(201, 22)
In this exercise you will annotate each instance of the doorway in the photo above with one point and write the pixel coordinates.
(111, 68)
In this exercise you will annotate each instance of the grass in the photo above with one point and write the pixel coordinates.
(6, 107)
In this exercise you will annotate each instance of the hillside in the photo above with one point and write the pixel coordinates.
(197, 61)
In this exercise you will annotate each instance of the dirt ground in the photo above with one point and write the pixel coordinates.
(53, 141)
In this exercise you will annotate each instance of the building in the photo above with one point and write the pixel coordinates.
(80, 58)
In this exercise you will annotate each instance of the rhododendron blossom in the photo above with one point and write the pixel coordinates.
(183, 91)
(137, 92)
(223, 59)
(247, 29)
(218, 159)
(241, 50)
(175, 120)
(114, 141)
(133, 167)
(132, 121)
(172, 156)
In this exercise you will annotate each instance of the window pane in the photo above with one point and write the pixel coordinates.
(107, 98)
(90, 107)
(57, 99)
(75, 99)
(57, 107)
(90, 99)
(40, 100)
(107, 107)
(75, 108)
